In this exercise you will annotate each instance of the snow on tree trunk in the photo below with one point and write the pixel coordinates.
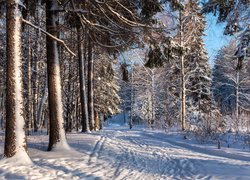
(15, 143)
(57, 137)
(83, 95)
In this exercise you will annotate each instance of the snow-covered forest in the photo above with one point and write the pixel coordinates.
(124, 89)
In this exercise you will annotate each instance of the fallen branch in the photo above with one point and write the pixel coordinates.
(50, 35)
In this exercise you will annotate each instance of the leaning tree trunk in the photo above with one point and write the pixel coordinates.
(83, 95)
(57, 133)
(90, 87)
(15, 126)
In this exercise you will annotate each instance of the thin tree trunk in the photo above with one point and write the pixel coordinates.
(237, 100)
(77, 115)
(101, 121)
(15, 134)
(183, 85)
(57, 133)
(83, 95)
(28, 106)
(2, 111)
(132, 99)
(35, 72)
(183, 96)
(90, 86)
(153, 99)
(68, 102)
(41, 104)
(96, 121)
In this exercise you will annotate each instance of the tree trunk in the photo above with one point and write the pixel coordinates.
(83, 96)
(15, 134)
(183, 96)
(77, 115)
(153, 98)
(68, 101)
(183, 84)
(35, 66)
(132, 99)
(90, 86)
(96, 121)
(56, 133)
(238, 124)
(101, 121)
(2, 111)
(41, 104)
(28, 105)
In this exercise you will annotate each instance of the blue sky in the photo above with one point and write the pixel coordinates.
(215, 38)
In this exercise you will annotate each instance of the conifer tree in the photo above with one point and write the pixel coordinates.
(197, 70)
(15, 141)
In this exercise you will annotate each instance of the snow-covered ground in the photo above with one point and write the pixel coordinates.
(120, 153)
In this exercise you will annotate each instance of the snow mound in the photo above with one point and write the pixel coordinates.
(20, 158)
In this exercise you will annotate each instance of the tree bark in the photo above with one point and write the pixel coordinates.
(35, 72)
(15, 125)
(56, 133)
(90, 86)
(96, 121)
(29, 92)
(238, 124)
(183, 84)
(41, 104)
(101, 121)
(83, 95)
(183, 96)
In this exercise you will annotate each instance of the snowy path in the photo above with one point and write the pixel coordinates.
(119, 153)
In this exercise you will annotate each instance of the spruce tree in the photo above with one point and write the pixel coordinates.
(197, 70)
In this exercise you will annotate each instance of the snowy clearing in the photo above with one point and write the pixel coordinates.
(119, 153)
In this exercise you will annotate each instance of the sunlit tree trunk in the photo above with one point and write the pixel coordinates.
(15, 125)
(56, 133)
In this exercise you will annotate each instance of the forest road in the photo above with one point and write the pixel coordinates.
(120, 153)
(134, 154)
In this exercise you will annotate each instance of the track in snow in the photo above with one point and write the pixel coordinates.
(119, 153)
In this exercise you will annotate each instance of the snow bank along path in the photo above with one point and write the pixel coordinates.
(119, 153)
